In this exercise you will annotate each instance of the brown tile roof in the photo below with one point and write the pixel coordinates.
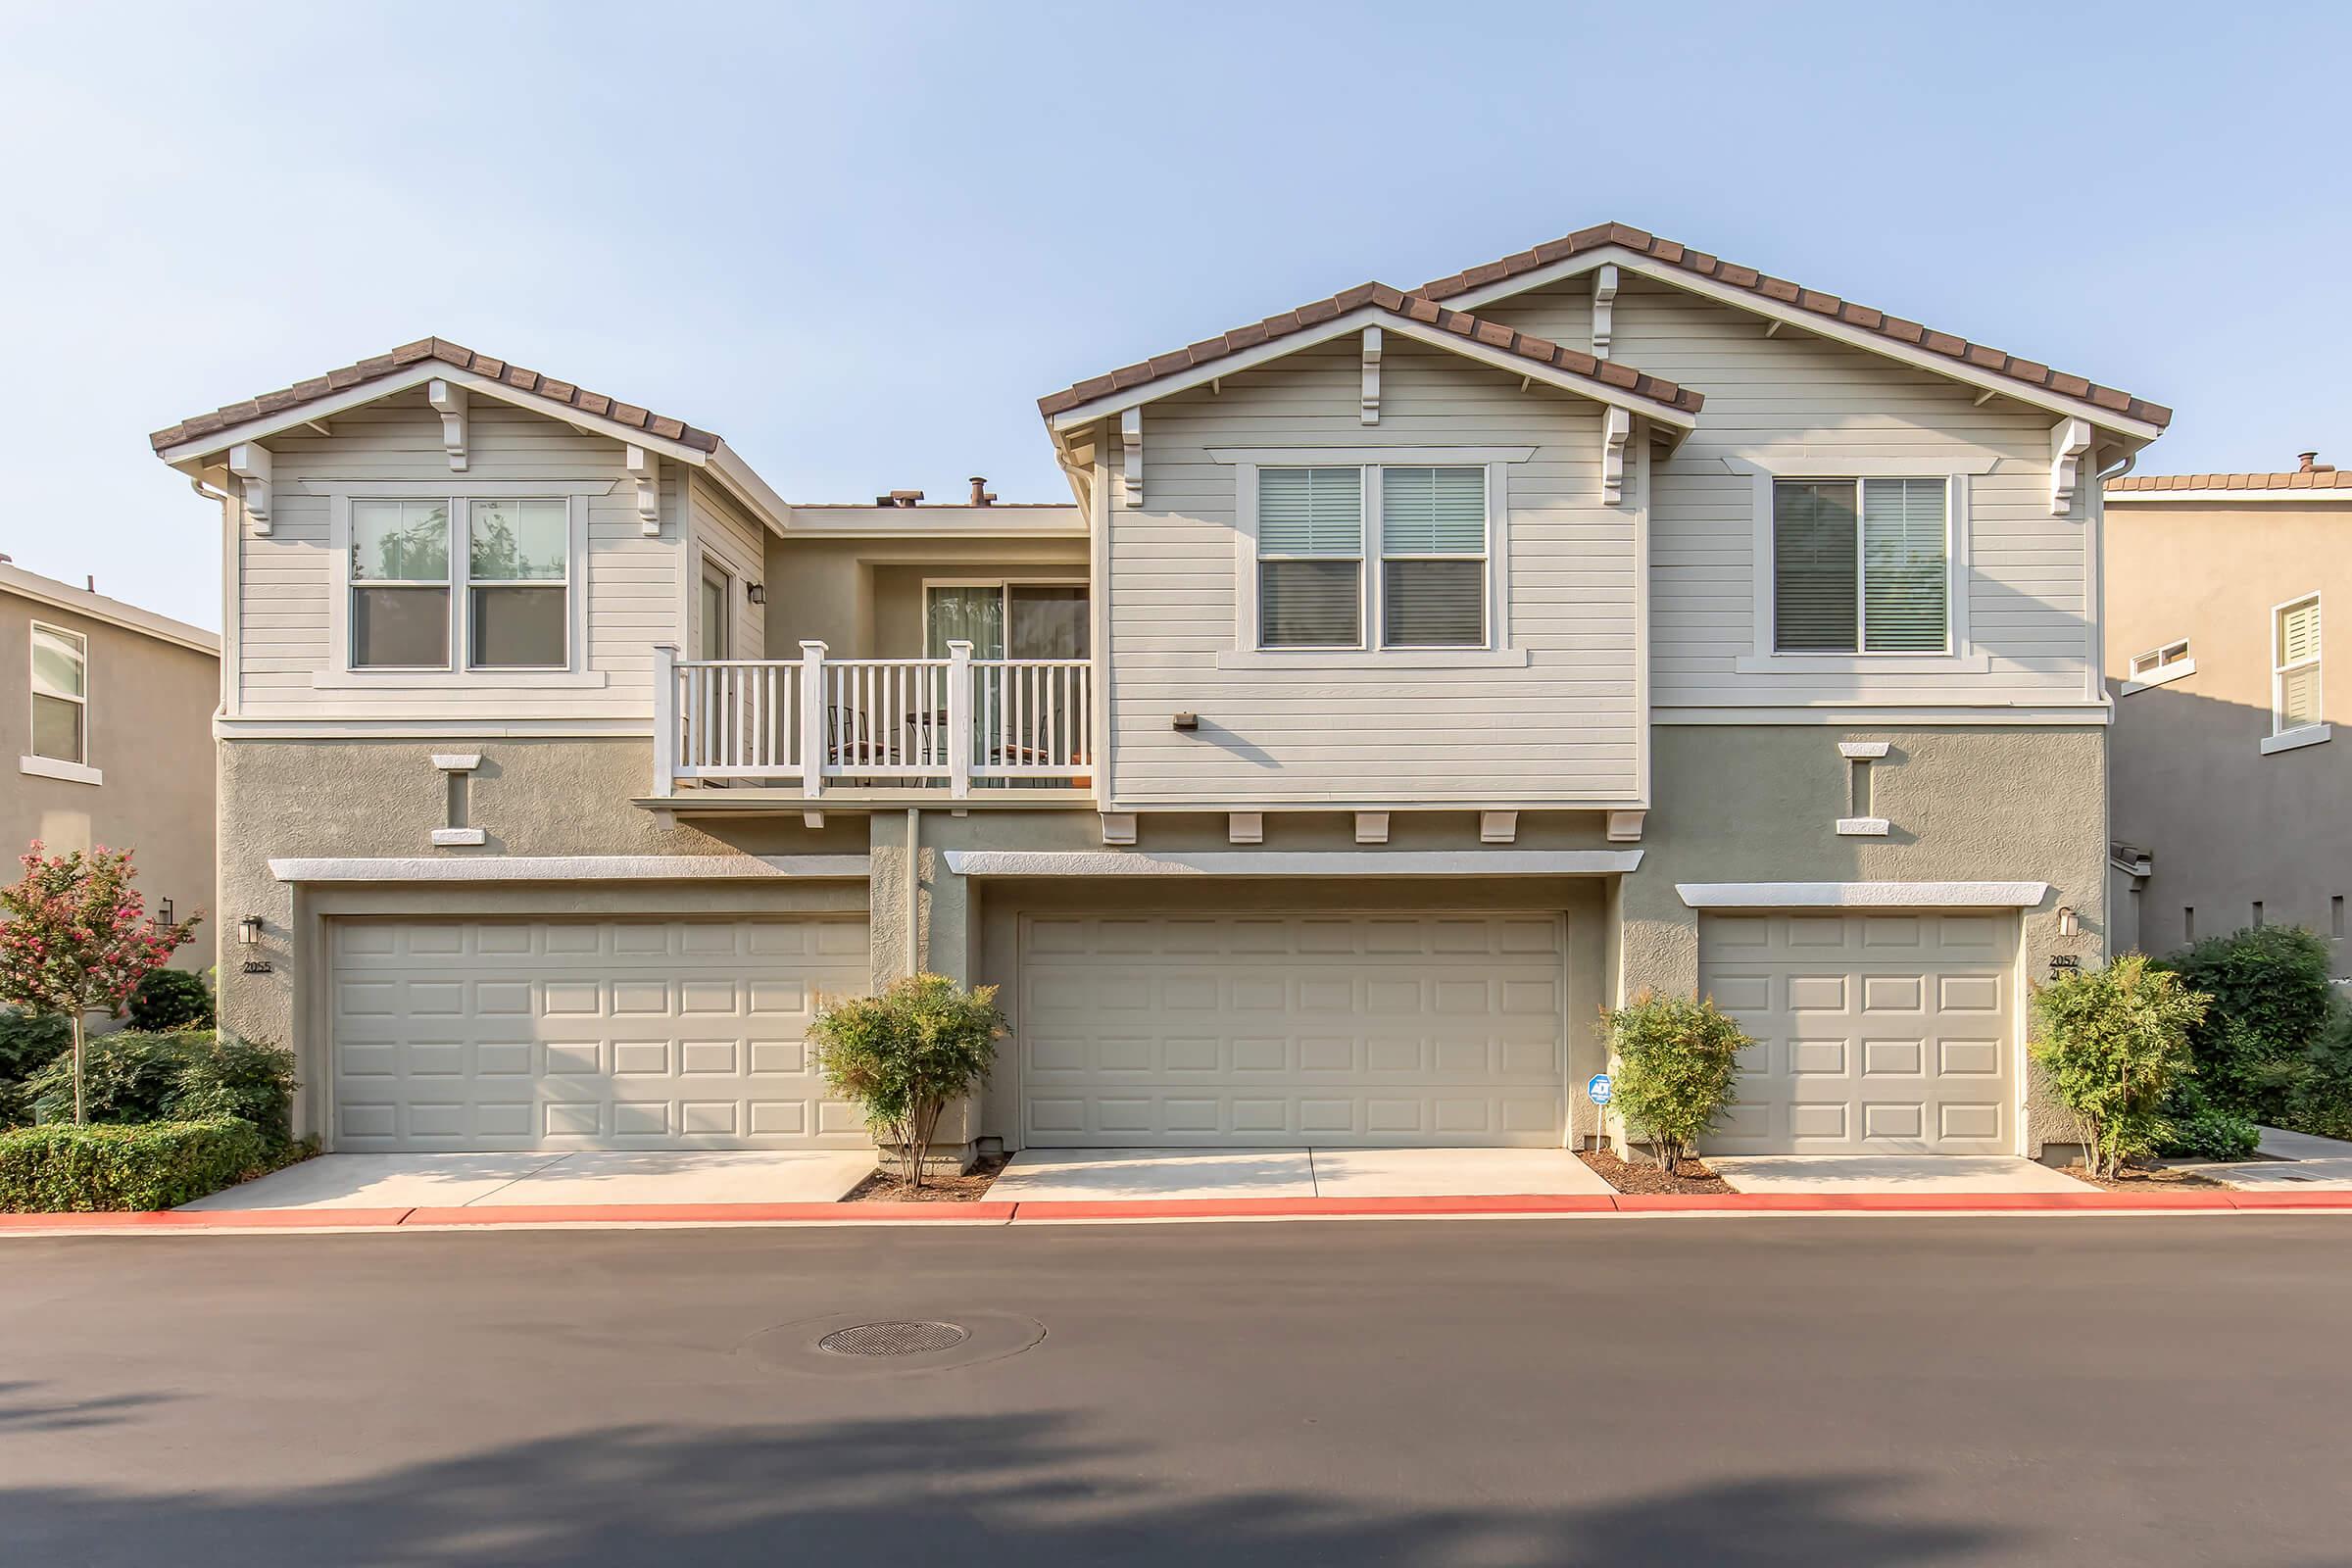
(1541, 351)
(2300, 479)
(447, 353)
(1799, 297)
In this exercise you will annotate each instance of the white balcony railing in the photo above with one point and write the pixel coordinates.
(916, 723)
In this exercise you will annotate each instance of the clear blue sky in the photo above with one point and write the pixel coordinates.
(859, 240)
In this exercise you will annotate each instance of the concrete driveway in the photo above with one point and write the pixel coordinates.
(1080, 1175)
(586, 1178)
(1890, 1173)
(2290, 1161)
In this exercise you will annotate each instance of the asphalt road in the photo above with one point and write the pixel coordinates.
(1695, 1392)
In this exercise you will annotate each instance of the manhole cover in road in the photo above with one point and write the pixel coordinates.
(893, 1338)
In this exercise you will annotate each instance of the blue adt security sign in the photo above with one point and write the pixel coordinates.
(1597, 1088)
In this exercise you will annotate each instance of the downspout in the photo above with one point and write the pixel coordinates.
(2096, 588)
(914, 891)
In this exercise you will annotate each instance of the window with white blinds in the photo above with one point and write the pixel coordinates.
(1861, 566)
(1433, 558)
(1311, 558)
(2295, 676)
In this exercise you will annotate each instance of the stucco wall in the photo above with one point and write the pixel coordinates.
(150, 734)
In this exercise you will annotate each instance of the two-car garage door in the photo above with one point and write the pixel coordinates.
(587, 1034)
(1879, 1033)
(1264, 1028)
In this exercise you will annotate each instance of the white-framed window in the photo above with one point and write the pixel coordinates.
(400, 584)
(61, 695)
(2156, 661)
(517, 583)
(1311, 558)
(1433, 556)
(2295, 665)
(1861, 566)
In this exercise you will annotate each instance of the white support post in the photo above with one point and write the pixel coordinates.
(251, 465)
(665, 720)
(959, 720)
(812, 718)
(448, 399)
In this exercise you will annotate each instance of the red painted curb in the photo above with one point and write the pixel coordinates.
(2289, 1199)
(1254, 1207)
(1918, 1203)
(225, 1219)
(701, 1214)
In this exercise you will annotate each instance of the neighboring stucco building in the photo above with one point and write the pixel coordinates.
(1411, 674)
(2230, 795)
(111, 707)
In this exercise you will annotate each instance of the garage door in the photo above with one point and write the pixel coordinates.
(1875, 1033)
(592, 1034)
(1341, 1029)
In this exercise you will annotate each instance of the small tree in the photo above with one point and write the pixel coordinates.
(1678, 1066)
(2114, 1041)
(906, 1054)
(78, 939)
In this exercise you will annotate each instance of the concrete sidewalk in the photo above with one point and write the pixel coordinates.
(588, 1178)
(1199, 1175)
(1890, 1174)
(2291, 1161)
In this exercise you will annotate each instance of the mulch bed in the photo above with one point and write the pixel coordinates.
(2143, 1179)
(1690, 1176)
(886, 1186)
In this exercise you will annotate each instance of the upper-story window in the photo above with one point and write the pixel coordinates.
(517, 563)
(2295, 665)
(1431, 558)
(1861, 566)
(2156, 661)
(61, 694)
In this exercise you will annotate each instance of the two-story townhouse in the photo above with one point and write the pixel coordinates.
(111, 709)
(2228, 791)
(1414, 674)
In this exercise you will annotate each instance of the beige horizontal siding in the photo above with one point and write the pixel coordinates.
(1794, 402)
(1562, 729)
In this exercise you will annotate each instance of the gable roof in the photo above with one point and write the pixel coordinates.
(15, 579)
(458, 357)
(1797, 297)
(2297, 482)
(1606, 374)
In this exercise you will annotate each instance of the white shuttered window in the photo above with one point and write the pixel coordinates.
(1433, 548)
(1861, 566)
(1311, 558)
(2295, 678)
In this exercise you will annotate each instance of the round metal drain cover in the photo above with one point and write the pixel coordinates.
(893, 1338)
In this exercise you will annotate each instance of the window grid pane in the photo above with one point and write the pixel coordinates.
(1434, 604)
(399, 628)
(518, 628)
(1903, 573)
(400, 541)
(519, 541)
(59, 665)
(1814, 567)
(2298, 641)
(56, 728)
(1310, 604)
(1433, 511)
(1310, 512)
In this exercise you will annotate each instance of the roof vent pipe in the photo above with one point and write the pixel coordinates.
(2310, 462)
(982, 495)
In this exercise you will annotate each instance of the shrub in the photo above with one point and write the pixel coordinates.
(66, 1168)
(906, 1054)
(2114, 1041)
(172, 998)
(2272, 1005)
(193, 1075)
(1678, 1066)
(2203, 1130)
(29, 1042)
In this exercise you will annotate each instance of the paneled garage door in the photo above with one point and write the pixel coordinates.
(1875, 1033)
(1342, 1029)
(589, 1034)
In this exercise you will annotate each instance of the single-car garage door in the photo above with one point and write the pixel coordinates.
(1875, 1033)
(1385, 1029)
(587, 1034)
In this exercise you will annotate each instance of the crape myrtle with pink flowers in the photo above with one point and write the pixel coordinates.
(77, 938)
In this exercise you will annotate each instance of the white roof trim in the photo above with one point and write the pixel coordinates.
(2132, 498)
(1295, 862)
(570, 868)
(114, 612)
(1354, 321)
(1819, 326)
(1861, 895)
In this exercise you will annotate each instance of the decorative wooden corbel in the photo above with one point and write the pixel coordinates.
(449, 400)
(1604, 309)
(1615, 426)
(1371, 399)
(646, 470)
(251, 465)
(1131, 438)
(2070, 439)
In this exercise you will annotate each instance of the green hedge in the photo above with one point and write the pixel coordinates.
(195, 1075)
(63, 1168)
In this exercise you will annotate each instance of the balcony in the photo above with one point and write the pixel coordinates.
(966, 728)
